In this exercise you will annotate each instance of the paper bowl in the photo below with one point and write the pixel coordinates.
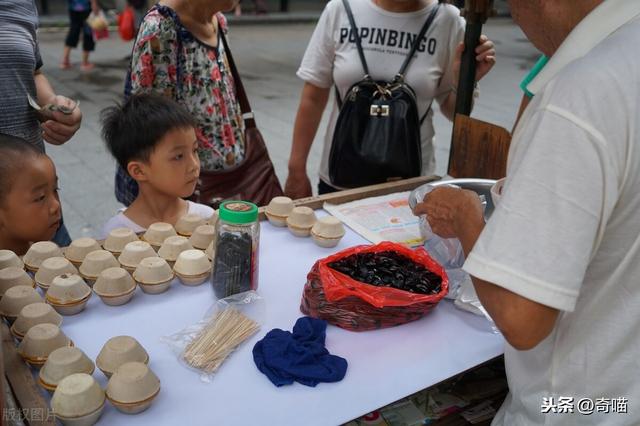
(173, 246)
(118, 239)
(40, 341)
(300, 221)
(79, 249)
(278, 210)
(213, 219)
(51, 268)
(133, 387)
(210, 251)
(15, 299)
(10, 259)
(32, 315)
(188, 223)
(120, 350)
(154, 275)
(13, 277)
(202, 236)
(67, 289)
(192, 267)
(61, 363)
(133, 253)
(78, 400)
(96, 262)
(40, 251)
(158, 232)
(115, 286)
(327, 232)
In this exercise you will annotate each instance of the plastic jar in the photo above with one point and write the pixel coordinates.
(235, 264)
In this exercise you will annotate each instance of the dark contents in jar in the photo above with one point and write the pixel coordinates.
(389, 269)
(232, 269)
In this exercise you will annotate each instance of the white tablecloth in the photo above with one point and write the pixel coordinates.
(384, 365)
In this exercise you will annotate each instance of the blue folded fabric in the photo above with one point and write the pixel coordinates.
(285, 357)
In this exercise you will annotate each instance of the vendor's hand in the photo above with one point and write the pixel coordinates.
(451, 211)
(485, 58)
(62, 127)
(297, 185)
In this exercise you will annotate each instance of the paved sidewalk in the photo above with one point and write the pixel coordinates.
(268, 57)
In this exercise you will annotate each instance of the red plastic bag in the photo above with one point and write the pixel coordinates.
(127, 24)
(353, 305)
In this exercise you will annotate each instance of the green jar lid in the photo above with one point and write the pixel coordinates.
(238, 212)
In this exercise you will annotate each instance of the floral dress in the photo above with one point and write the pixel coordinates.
(169, 60)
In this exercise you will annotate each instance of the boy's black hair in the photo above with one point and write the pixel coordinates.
(14, 152)
(131, 131)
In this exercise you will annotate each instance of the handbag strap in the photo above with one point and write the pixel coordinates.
(354, 28)
(414, 48)
(245, 107)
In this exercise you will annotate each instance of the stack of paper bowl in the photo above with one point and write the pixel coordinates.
(38, 252)
(68, 294)
(117, 239)
(51, 268)
(15, 299)
(300, 221)
(78, 400)
(278, 211)
(192, 267)
(188, 223)
(10, 259)
(133, 253)
(32, 315)
(115, 286)
(327, 232)
(61, 363)
(12, 277)
(96, 262)
(79, 249)
(203, 236)
(157, 233)
(154, 275)
(133, 387)
(40, 341)
(120, 350)
(172, 247)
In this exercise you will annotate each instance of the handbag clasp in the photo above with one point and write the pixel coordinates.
(379, 110)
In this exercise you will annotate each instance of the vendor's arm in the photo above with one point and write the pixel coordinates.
(486, 59)
(312, 104)
(62, 127)
(457, 213)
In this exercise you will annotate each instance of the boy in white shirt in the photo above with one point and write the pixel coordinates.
(154, 140)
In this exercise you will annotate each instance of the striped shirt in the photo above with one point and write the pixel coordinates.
(20, 58)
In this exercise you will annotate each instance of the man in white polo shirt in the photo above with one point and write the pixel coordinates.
(558, 264)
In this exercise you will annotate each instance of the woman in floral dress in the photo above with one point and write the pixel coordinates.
(179, 53)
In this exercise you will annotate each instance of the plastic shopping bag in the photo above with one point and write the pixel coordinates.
(127, 24)
(353, 305)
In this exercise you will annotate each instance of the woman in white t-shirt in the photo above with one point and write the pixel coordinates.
(385, 27)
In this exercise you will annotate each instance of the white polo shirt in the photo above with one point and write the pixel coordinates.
(566, 233)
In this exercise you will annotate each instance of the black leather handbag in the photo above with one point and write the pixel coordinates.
(377, 134)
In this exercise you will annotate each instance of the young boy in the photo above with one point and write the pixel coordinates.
(29, 203)
(154, 140)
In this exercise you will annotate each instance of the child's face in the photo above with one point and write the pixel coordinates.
(31, 210)
(173, 167)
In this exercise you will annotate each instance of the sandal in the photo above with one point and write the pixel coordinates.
(87, 67)
(65, 65)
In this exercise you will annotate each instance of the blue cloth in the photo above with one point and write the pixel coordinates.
(285, 357)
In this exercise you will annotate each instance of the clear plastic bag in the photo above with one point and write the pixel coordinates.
(230, 322)
(448, 252)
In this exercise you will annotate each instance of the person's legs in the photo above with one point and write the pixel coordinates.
(88, 43)
(325, 188)
(73, 36)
